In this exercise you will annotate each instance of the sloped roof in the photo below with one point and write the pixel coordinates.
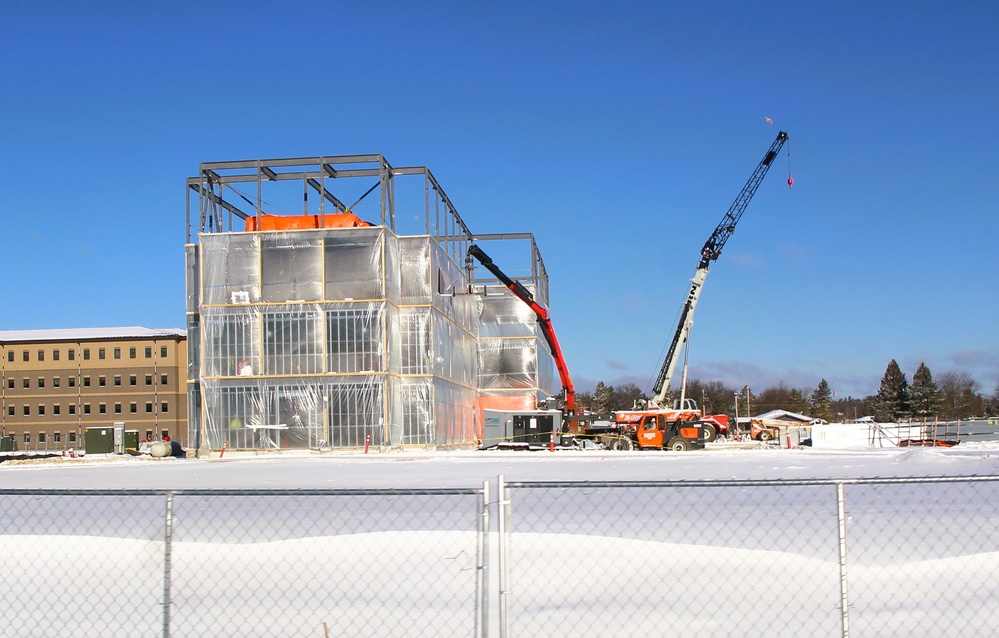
(785, 415)
(90, 334)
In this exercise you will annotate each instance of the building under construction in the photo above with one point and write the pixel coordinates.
(331, 303)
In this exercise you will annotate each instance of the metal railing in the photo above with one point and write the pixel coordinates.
(861, 557)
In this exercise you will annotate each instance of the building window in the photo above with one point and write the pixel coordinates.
(163, 352)
(163, 379)
(55, 410)
(102, 408)
(55, 382)
(133, 408)
(10, 356)
(165, 434)
(131, 379)
(100, 353)
(131, 353)
(10, 383)
(57, 436)
(86, 382)
(24, 356)
(86, 354)
(41, 355)
(149, 408)
(55, 355)
(41, 437)
(117, 408)
(117, 353)
(41, 382)
(41, 410)
(27, 438)
(149, 352)
(26, 383)
(10, 410)
(163, 407)
(86, 408)
(72, 437)
(71, 354)
(102, 381)
(117, 379)
(149, 379)
(27, 410)
(71, 382)
(149, 435)
(72, 408)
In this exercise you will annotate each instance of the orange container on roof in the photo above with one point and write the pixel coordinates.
(304, 222)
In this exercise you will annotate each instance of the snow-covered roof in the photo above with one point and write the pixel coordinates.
(90, 334)
(786, 415)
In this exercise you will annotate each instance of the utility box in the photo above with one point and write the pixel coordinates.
(8, 444)
(131, 439)
(530, 427)
(119, 437)
(99, 440)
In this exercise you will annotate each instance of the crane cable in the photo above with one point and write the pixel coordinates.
(790, 180)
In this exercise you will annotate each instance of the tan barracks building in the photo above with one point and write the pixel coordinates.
(58, 383)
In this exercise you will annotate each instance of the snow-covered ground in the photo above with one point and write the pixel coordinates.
(693, 561)
(470, 468)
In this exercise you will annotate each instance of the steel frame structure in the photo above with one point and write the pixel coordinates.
(217, 213)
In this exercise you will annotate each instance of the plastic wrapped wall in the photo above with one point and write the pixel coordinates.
(515, 364)
(331, 338)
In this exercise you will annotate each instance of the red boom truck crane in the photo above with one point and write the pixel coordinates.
(656, 431)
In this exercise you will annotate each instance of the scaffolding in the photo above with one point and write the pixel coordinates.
(344, 336)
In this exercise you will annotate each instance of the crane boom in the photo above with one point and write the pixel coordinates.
(544, 322)
(710, 252)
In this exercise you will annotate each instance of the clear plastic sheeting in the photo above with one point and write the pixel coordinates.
(230, 268)
(331, 338)
(509, 363)
(504, 315)
(287, 413)
(516, 368)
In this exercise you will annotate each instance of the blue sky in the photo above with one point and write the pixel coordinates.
(618, 133)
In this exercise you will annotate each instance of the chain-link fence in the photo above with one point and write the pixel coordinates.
(877, 557)
(866, 557)
(242, 563)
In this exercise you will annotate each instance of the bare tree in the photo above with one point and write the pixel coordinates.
(960, 396)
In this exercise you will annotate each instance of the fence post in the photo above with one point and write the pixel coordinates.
(482, 583)
(844, 601)
(503, 503)
(167, 549)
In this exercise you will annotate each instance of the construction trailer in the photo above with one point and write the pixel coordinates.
(347, 325)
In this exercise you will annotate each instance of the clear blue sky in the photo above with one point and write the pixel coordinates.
(618, 133)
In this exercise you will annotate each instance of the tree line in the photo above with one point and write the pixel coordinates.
(952, 396)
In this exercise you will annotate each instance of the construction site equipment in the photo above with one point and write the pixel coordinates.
(712, 249)
(541, 428)
(710, 252)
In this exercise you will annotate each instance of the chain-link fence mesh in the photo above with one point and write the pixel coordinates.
(865, 557)
(909, 557)
(242, 563)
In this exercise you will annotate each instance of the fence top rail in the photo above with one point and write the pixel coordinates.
(388, 491)
(750, 482)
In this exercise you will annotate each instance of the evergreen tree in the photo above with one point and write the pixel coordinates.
(602, 397)
(822, 401)
(892, 400)
(924, 395)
